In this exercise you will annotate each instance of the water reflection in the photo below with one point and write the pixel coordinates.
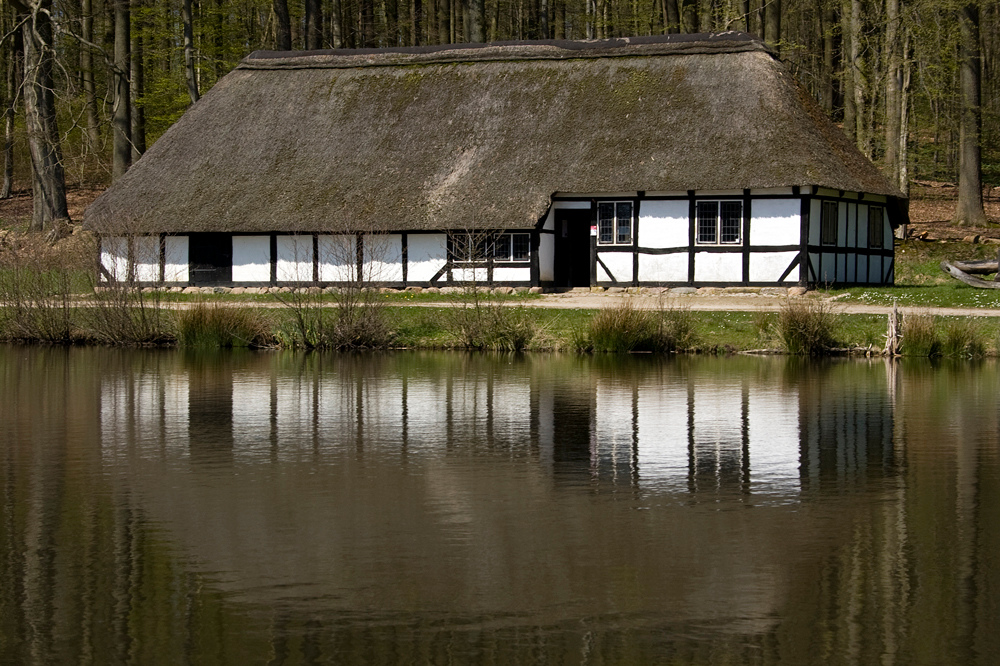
(656, 427)
(161, 507)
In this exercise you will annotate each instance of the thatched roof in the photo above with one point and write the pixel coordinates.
(478, 136)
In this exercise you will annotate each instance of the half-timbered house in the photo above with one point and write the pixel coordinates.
(674, 160)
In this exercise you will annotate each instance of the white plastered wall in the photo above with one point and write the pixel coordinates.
(619, 263)
(461, 274)
(718, 267)
(114, 257)
(295, 259)
(505, 274)
(663, 267)
(769, 266)
(337, 258)
(663, 224)
(146, 257)
(177, 259)
(426, 254)
(775, 222)
(251, 258)
(383, 258)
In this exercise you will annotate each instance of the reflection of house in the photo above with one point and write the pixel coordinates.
(662, 432)
(676, 159)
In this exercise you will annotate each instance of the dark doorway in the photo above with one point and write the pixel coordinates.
(211, 257)
(573, 261)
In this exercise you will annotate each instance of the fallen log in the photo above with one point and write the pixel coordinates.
(984, 267)
(952, 269)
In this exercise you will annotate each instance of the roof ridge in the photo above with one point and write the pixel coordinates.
(674, 44)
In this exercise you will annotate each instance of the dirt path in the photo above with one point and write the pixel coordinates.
(735, 303)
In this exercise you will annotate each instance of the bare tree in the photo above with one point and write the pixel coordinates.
(282, 26)
(48, 180)
(969, 210)
(122, 120)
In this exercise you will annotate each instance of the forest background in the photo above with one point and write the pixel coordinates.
(88, 85)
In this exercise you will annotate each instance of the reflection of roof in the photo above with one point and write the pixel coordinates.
(466, 136)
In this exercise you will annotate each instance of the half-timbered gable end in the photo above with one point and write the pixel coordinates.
(673, 160)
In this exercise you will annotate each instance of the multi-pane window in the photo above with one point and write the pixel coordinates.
(485, 246)
(719, 222)
(471, 247)
(614, 223)
(828, 223)
(512, 247)
(876, 227)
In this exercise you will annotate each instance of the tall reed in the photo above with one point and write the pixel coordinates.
(806, 327)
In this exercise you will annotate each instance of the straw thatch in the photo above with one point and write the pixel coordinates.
(463, 137)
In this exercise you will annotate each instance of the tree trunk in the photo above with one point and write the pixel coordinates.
(969, 210)
(772, 23)
(827, 23)
(87, 74)
(475, 20)
(122, 117)
(282, 26)
(189, 72)
(138, 84)
(689, 15)
(314, 25)
(336, 25)
(847, 50)
(416, 22)
(13, 50)
(671, 16)
(894, 73)
(48, 181)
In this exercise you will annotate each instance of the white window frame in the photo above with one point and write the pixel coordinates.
(487, 244)
(505, 240)
(718, 237)
(616, 223)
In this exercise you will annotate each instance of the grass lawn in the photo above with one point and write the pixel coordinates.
(921, 282)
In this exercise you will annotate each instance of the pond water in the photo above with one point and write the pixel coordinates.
(161, 507)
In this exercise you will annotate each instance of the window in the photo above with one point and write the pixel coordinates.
(876, 227)
(488, 246)
(614, 223)
(719, 222)
(828, 223)
(470, 247)
(512, 247)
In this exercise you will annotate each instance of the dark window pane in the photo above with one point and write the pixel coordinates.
(624, 214)
(460, 247)
(605, 222)
(708, 220)
(828, 223)
(732, 221)
(522, 247)
(876, 227)
(501, 248)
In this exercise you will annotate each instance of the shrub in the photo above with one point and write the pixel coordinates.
(221, 327)
(36, 287)
(483, 323)
(623, 329)
(676, 329)
(124, 315)
(806, 327)
(963, 337)
(920, 336)
(354, 322)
